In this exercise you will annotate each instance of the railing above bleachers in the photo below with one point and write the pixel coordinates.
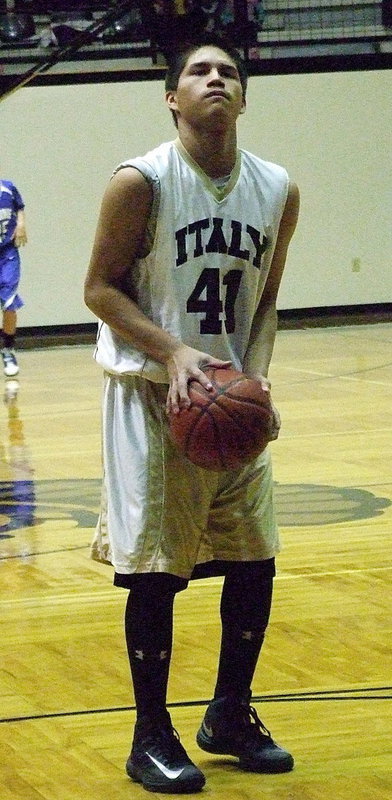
(274, 34)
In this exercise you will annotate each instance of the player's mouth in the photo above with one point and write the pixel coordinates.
(218, 93)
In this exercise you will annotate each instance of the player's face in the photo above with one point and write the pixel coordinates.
(209, 87)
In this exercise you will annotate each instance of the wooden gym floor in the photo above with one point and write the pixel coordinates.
(323, 683)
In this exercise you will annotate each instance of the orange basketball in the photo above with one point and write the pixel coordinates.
(226, 427)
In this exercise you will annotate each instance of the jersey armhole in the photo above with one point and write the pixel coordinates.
(152, 179)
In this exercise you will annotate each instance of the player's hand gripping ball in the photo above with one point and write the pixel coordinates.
(226, 427)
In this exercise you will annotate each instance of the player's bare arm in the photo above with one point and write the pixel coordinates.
(20, 234)
(265, 322)
(120, 232)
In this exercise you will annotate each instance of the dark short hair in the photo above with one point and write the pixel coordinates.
(177, 60)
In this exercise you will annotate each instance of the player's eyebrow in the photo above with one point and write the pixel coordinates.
(220, 65)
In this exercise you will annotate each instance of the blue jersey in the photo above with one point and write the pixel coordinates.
(10, 203)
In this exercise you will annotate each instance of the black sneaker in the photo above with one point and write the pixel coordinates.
(233, 728)
(159, 761)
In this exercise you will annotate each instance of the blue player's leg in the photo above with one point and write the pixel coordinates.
(10, 303)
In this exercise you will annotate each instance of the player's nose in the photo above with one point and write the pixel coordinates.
(215, 77)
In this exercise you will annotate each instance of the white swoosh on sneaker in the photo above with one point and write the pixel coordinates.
(207, 730)
(172, 774)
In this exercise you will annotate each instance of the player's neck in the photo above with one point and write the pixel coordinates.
(216, 155)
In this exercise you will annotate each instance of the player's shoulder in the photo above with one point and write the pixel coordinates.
(8, 185)
(150, 159)
(265, 166)
(271, 178)
(148, 168)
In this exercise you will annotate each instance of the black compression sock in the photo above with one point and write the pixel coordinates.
(245, 609)
(149, 633)
(8, 340)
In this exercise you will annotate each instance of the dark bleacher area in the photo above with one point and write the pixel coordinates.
(138, 35)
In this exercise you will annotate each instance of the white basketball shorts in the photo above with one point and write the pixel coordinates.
(159, 512)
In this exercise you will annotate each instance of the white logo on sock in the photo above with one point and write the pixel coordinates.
(169, 773)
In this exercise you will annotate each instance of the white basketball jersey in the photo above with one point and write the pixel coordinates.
(209, 251)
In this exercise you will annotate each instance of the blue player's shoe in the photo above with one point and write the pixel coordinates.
(10, 363)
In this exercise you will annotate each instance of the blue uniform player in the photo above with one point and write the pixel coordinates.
(12, 236)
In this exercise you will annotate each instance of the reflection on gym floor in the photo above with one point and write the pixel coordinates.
(17, 491)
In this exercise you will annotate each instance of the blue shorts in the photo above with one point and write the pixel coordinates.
(9, 280)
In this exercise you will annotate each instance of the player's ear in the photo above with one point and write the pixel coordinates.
(243, 107)
(171, 100)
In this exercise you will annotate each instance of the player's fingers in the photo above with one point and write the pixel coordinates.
(202, 378)
(265, 383)
(172, 405)
(275, 424)
(216, 363)
(183, 398)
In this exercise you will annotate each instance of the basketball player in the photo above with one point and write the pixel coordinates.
(188, 256)
(12, 236)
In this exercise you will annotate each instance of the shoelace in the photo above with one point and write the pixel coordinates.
(165, 742)
(253, 723)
